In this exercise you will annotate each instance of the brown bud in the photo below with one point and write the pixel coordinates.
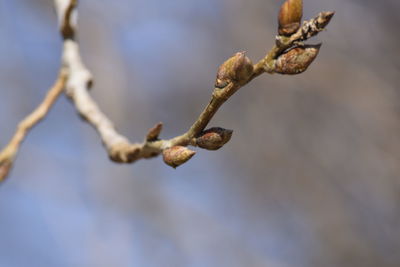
(177, 155)
(289, 18)
(5, 167)
(67, 29)
(214, 138)
(297, 59)
(238, 68)
(153, 133)
(324, 18)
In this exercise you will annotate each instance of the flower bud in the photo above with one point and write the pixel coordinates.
(214, 138)
(177, 155)
(238, 68)
(290, 16)
(297, 59)
(5, 167)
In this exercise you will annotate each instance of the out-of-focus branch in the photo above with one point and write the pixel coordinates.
(8, 154)
(80, 80)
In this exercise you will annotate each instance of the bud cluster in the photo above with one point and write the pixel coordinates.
(296, 57)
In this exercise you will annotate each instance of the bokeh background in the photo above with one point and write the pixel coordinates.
(310, 178)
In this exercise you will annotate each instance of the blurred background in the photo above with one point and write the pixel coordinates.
(310, 178)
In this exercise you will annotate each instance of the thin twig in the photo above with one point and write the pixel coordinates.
(8, 154)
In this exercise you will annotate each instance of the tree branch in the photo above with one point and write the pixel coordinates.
(8, 154)
(288, 56)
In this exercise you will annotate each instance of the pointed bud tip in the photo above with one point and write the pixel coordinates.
(324, 18)
(328, 14)
(177, 155)
(124, 152)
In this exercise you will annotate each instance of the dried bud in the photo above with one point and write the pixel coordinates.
(214, 138)
(154, 132)
(5, 167)
(238, 68)
(324, 18)
(290, 16)
(297, 59)
(177, 155)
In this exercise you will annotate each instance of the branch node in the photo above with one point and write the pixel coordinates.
(124, 152)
